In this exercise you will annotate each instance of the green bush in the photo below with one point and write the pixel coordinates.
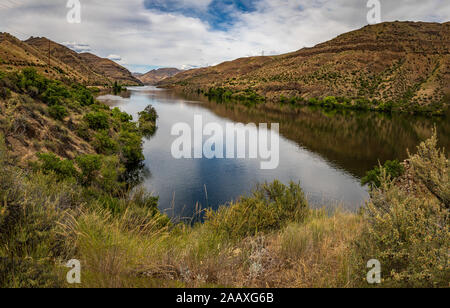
(90, 166)
(330, 102)
(270, 208)
(57, 112)
(122, 117)
(82, 95)
(393, 169)
(55, 94)
(104, 144)
(97, 120)
(431, 167)
(147, 121)
(408, 231)
(130, 145)
(31, 211)
(117, 89)
(49, 162)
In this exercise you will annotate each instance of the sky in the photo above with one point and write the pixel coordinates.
(148, 34)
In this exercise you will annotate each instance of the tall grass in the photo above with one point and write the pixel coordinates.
(270, 239)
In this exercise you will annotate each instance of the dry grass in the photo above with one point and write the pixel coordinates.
(314, 254)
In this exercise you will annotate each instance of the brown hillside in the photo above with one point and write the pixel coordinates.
(96, 70)
(401, 61)
(155, 76)
(65, 64)
(111, 69)
(16, 55)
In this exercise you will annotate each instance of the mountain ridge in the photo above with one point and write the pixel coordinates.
(157, 75)
(405, 62)
(57, 61)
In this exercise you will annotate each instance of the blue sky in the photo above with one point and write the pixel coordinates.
(219, 14)
(147, 34)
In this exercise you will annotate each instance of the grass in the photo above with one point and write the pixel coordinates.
(270, 239)
(79, 208)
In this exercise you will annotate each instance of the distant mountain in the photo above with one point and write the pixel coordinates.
(155, 76)
(65, 64)
(402, 62)
(111, 69)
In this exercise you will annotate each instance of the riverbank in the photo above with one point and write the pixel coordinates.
(57, 208)
(270, 239)
(251, 97)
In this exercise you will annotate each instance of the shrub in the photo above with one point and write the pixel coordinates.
(110, 176)
(131, 147)
(393, 169)
(49, 162)
(103, 144)
(408, 232)
(121, 116)
(97, 120)
(270, 208)
(82, 95)
(147, 121)
(117, 88)
(30, 81)
(330, 102)
(55, 94)
(57, 112)
(90, 166)
(431, 167)
(5, 93)
(31, 212)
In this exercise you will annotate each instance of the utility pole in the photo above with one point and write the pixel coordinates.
(49, 53)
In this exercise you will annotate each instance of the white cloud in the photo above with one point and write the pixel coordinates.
(78, 47)
(143, 37)
(116, 58)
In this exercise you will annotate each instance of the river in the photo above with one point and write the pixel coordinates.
(327, 152)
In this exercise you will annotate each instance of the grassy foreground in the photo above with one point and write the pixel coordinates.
(271, 239)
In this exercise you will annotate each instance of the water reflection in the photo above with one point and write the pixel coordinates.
(327, 152)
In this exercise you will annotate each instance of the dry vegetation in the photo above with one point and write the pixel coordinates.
(403, 64)
(65, 64)
(271, 239)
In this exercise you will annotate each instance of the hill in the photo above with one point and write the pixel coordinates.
(65, 64)
(155, 76)
(400, 63)
(16, 55)
(98, 71)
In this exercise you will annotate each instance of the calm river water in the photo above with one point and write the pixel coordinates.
(327, 152)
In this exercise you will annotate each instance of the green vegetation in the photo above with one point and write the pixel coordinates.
(58, 112)
(109, 132)
(269, 239)
(408, 231)
(364, 104)
(97, 120)
(80, 207)
(393, 170)
(147, 121)
(223, 95)
(271, 207)
(117, 88)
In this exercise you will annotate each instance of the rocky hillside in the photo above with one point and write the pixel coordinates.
(16, 55)
(405, 63)
(155, 76)
(65, 64)
(106, 67)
